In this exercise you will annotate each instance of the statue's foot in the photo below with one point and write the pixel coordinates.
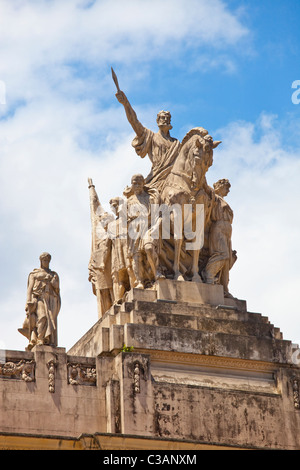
(196, 278)
(178, 277)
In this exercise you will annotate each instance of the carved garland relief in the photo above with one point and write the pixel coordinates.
(80, 374)
(23, 370)
(296, 395)
(51, 375)
(77, 374)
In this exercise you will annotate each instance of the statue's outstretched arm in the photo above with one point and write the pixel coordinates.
(130, 113)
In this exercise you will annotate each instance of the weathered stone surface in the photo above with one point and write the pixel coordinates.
(202, 342)
(234, 417)
(30, 408)
(244, 403)
(198, 372)
(185, 327)
(191, 292)
(201, 323)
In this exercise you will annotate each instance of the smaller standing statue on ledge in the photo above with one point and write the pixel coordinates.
(42, 305)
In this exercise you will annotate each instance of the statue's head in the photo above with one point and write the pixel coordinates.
(116, 204)
(199, 137)
(205, 139)
(164, 120)
(222, 187)
(45, 256)
(45, 259)
(137, 183)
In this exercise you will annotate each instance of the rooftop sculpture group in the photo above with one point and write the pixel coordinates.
(130, 247)
(171, 224)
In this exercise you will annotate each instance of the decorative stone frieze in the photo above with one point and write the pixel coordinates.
(81, 374)
(21, 370)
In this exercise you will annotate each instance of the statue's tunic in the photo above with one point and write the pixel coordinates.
(162, 153)
(118, 232)
(101, 256)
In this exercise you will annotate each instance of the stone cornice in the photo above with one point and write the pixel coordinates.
(173, 357)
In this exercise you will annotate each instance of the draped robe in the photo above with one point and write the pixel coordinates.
(162, 153)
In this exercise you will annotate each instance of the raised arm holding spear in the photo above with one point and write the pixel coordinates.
(130, 113)
(161, 148)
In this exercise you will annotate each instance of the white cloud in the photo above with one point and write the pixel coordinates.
(45, 44)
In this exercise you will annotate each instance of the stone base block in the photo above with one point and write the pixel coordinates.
(190, 292)
(236, 304)
(146, 295)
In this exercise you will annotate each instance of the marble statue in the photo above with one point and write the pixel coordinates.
(132, 248)
(222, 257)
(186, 184)
(100, 261)
(143, 248)
(42, 305)
(121, 267)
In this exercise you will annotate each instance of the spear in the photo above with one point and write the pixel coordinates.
(115, 79)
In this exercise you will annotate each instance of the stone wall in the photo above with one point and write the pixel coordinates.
(157, 370)
(57, 400)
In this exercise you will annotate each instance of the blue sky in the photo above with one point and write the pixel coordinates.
(225, 65)
(253, 75)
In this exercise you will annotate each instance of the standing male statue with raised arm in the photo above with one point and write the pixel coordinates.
(161, 148)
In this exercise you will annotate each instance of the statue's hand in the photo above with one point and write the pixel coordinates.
(121, 97)
(30, 307)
